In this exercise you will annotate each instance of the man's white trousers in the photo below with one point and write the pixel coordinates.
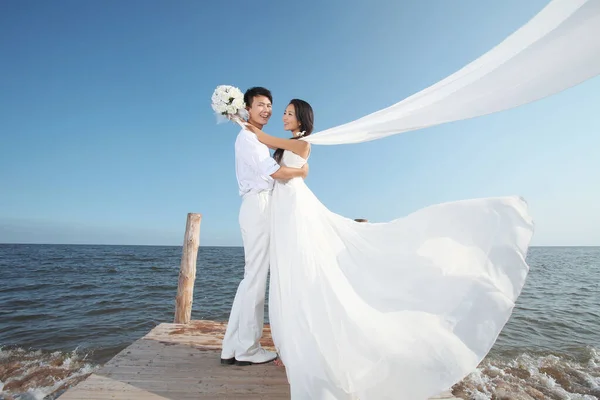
(246, 320)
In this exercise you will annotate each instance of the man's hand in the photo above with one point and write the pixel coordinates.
(286, 173)
(304, 170)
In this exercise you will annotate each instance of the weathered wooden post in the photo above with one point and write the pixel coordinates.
(187, 271)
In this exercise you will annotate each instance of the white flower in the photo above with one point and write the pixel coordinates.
(219, 107)
(235, 92)
(222, 94)
(238, 102)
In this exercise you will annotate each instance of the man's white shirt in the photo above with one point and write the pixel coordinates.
(253, 164)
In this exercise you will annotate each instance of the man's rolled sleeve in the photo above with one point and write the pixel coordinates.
(268, 166)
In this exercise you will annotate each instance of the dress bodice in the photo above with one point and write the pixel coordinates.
(292, 160)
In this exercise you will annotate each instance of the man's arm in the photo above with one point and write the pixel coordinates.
(285, 173)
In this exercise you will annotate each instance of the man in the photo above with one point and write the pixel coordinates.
(255, 171)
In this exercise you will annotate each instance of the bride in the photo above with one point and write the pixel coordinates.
(396, 310)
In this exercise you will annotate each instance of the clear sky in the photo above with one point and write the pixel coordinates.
(107, 136)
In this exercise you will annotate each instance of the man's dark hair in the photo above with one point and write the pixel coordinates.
(256, 91)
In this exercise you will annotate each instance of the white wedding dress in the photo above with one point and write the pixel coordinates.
(398, 310)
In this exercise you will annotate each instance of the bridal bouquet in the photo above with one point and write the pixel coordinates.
(228, 104)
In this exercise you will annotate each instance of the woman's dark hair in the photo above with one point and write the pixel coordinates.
(306, 118)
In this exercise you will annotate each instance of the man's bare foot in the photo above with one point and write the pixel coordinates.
(278, 363)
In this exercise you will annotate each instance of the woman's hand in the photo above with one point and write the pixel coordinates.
(260, 135)
(252, 128)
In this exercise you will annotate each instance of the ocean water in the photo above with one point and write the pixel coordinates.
(66, 309)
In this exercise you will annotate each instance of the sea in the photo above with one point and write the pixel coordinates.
(67, 309)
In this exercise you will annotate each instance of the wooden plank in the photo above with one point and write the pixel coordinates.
(98, 387)
(179, 362)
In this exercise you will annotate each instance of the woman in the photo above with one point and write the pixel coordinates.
(397, 310)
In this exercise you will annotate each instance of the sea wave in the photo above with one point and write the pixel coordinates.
(40, 375)
(531, 376)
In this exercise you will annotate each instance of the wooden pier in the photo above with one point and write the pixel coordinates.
(181, 362)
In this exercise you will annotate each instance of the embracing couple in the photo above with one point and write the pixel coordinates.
(396, 310)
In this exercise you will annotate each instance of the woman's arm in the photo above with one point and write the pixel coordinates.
(300, 147)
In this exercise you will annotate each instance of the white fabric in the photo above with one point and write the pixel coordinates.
(246, 320)
(398, 310)
(559, 48)
(253, 164)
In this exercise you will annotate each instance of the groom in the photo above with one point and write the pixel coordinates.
(255, 171)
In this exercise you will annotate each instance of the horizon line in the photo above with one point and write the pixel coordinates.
(181, 245)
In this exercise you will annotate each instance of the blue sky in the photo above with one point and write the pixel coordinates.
(107, 135)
